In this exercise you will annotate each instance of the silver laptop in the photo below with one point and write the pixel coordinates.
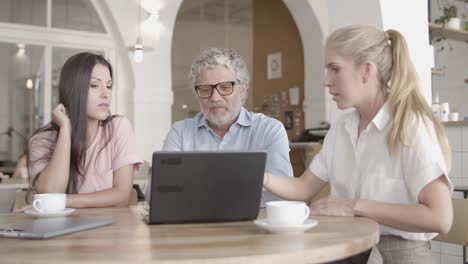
(189, 187)
(43, 228)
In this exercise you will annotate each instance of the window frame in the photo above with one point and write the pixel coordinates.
(50, 37)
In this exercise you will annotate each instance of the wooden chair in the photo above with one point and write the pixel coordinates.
(459, 232)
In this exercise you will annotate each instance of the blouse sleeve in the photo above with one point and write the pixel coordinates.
(41, 148)
(124, 145)
(423, 160)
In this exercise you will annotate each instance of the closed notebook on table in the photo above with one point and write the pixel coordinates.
(44, 228)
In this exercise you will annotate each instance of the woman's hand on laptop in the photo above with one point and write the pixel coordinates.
(332, 205)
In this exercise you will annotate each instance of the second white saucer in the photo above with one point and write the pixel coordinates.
(35, 213)
(263, 224)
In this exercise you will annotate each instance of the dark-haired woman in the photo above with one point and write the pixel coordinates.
(85, 151)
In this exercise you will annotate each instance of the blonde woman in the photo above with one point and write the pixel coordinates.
(389, 158)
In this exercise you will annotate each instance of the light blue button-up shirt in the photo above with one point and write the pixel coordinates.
(251, 131)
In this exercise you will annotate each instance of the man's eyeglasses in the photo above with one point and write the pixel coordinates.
(224, 88)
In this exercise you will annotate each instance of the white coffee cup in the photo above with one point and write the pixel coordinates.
(49, 202)
(453, 116)
(287, 212)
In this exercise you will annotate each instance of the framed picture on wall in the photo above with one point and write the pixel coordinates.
(274, 66)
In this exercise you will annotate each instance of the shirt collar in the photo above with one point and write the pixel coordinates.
(382, 118)
(201, 120)
(244, 119)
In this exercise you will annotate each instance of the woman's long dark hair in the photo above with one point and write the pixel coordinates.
(73, 94)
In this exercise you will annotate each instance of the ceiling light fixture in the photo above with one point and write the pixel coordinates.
(29, 84)
(138, 55)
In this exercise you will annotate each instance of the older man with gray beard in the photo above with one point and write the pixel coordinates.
(221, 80)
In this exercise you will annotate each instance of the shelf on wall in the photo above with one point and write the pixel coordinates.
(438, 30)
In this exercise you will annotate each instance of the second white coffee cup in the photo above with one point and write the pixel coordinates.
(287, 212)
(49, 202)
(453, 116)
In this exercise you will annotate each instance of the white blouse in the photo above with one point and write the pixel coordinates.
(361, 167)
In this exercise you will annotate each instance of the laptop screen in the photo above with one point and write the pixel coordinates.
(192, 187)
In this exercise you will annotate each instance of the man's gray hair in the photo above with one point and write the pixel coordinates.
(214, 57)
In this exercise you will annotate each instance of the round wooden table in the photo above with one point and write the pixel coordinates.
(130, 240)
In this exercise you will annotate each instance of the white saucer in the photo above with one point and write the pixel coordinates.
(35, 213)
(264, 225)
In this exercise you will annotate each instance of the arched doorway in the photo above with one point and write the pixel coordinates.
(223, 23)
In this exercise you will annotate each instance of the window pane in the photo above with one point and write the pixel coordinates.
(59, 56)
(22, 90)
(29, 12)
(77, 15)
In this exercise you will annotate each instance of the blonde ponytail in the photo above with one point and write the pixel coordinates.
(406, 100)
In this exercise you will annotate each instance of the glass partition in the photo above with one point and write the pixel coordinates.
(29, 12)
(22, 90)
(76, 15)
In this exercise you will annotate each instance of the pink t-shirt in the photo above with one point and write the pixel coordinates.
(99, 165)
